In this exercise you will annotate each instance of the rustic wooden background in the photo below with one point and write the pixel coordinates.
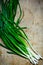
(33, 19)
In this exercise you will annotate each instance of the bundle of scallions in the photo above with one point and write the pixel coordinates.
(13, 36)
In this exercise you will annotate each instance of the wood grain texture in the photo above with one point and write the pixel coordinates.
(33, 19)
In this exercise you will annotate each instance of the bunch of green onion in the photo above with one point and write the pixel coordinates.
(13, 36)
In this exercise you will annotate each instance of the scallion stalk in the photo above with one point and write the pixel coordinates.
(13, 36)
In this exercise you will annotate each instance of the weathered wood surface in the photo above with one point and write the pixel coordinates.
(33, 19)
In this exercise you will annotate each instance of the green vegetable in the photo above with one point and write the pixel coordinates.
(13, 36)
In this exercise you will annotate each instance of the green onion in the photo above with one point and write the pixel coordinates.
(13, 36)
